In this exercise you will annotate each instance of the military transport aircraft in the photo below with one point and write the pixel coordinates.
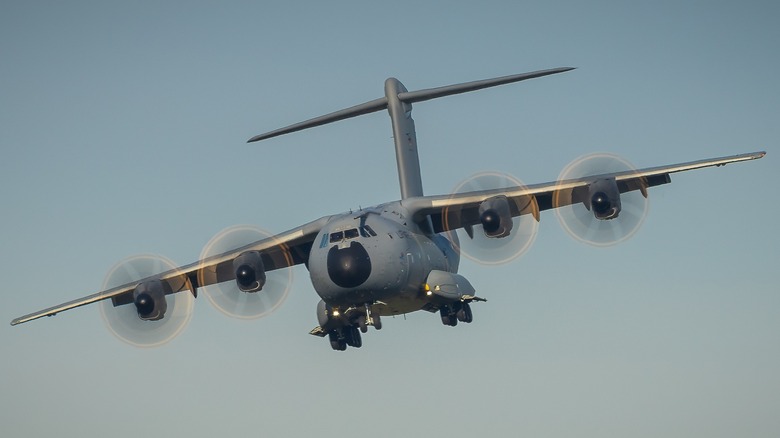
(389, 259)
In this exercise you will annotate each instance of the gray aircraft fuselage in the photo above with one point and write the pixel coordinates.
(378, 257)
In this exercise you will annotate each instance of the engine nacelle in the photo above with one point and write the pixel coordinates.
(603, 199)
(249, 270)
(149, 299)
(495, 216)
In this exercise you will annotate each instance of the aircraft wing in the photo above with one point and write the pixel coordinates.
(450, 212)
(280, 251)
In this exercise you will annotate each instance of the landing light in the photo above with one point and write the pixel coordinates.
(336, 313)
(427, 289)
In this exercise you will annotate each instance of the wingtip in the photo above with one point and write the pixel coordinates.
(554, 71)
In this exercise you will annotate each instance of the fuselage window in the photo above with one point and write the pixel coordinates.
(336, 237)
(351, 233)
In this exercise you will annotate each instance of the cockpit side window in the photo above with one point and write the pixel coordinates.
(336, 237)
(369, 229)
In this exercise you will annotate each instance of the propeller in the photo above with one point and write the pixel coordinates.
(226, 296)
(580, 222)
(124, 320)
(517, 236)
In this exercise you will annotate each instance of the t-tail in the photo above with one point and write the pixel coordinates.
(398, 103)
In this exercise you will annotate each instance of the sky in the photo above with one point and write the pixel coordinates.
(123, 129)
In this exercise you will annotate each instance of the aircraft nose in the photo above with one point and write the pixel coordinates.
(349, 267)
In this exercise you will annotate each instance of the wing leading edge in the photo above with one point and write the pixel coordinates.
(460, 210)
(292, 247)
(280, 251)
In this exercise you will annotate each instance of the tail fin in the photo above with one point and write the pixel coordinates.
(398, 102)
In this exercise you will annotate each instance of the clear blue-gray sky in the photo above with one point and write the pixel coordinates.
(123, 129)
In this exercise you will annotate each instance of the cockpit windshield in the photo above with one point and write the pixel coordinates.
(364, 231)
(350, 234)
(336, 237)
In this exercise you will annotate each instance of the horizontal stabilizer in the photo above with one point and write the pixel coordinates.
(433, 93)
(406, 97)
(357, 110)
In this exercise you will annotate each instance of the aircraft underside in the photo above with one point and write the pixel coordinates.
(343, 327)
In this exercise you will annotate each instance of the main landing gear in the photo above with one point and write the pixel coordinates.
(451, 314)
(342, 337)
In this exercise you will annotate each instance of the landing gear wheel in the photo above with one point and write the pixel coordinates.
(358, 339)
(376, 321)
(336, 343)
(448, 318)
(361, 322)
(468, 317)
(445, 315)
(352, 336)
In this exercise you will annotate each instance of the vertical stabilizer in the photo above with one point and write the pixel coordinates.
(405, 140)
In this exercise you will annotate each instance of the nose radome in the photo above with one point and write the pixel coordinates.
(349, 267)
